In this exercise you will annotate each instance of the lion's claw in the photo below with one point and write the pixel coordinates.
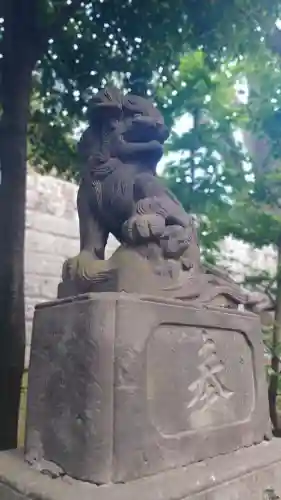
(83, 266)
(143, 227)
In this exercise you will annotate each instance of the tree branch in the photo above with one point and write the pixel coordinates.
(44, 29)
(62, 17)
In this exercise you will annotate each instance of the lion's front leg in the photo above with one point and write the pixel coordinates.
(93, 239)
(93, 235)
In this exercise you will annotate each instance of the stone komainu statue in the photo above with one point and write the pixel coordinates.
(120, 193)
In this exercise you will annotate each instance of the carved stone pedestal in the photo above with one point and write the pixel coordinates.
(123, 386)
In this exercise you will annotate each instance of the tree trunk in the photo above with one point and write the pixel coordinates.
(15, 93)
(276, 341)
(25, 39)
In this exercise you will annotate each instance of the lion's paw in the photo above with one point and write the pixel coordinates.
(143, 227)
(82, 267)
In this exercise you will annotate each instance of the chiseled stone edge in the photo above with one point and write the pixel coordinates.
(259, 461)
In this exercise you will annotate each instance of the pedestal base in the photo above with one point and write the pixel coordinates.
(249, 474)
(121, 386)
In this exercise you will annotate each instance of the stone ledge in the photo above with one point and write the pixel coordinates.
(245, 474)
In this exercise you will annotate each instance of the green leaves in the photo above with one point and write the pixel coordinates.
(213, 177)
(137, 44)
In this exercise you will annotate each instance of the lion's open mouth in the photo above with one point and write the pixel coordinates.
(143, 134)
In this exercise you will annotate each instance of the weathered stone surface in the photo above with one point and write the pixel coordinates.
(247, 474)
(70, 404)
(122, 387)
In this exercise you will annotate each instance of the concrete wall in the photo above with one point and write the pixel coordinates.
(52, 236)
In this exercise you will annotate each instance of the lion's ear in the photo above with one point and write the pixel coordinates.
(109, 98)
